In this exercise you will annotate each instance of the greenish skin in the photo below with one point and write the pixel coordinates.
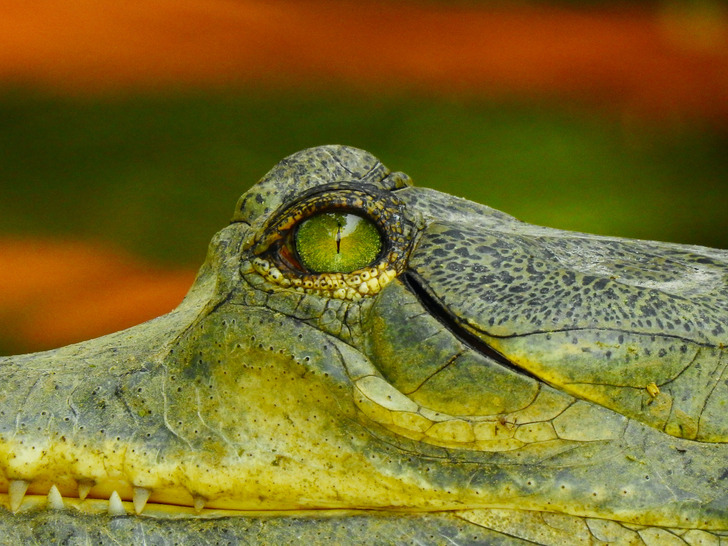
(485, 315)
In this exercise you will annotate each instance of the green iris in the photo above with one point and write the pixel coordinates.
(337, 242)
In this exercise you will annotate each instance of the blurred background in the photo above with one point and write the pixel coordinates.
(129, 129)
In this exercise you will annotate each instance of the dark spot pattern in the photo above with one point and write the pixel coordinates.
(492, 276)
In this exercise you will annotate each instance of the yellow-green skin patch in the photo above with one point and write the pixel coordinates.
(474, 380)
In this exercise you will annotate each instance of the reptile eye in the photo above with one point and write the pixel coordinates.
(336, 242)
(343, 240)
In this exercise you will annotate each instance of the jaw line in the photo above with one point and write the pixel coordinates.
(101, 507)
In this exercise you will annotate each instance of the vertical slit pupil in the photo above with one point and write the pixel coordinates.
(336, 242)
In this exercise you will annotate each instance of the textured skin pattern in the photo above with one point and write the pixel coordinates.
(504, 383)
(377, 529)
(602, 317)
(532, 282)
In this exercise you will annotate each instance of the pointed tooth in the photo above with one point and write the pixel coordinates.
(141, 496)
(55, 500)
(116, 508)
(84, 486)
(16, 492)
(199, 503)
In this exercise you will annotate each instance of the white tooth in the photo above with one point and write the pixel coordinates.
(84, 486)
(116, 508)
(55, 501)
(16, 492)
(199, 503)
(141, 496)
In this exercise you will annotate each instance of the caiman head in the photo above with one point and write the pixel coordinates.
(364, 357)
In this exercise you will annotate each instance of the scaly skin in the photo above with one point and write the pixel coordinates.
(484, 382)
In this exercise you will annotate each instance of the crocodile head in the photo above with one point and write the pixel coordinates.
(361, 359)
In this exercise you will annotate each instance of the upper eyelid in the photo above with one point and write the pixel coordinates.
(354, 198)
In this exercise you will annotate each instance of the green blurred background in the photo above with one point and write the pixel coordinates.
(155, 170)
(159, 174)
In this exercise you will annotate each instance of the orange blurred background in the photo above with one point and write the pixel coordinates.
(655, 59)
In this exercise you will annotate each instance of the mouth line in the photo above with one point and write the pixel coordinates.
(417, 287)
(115, 507)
